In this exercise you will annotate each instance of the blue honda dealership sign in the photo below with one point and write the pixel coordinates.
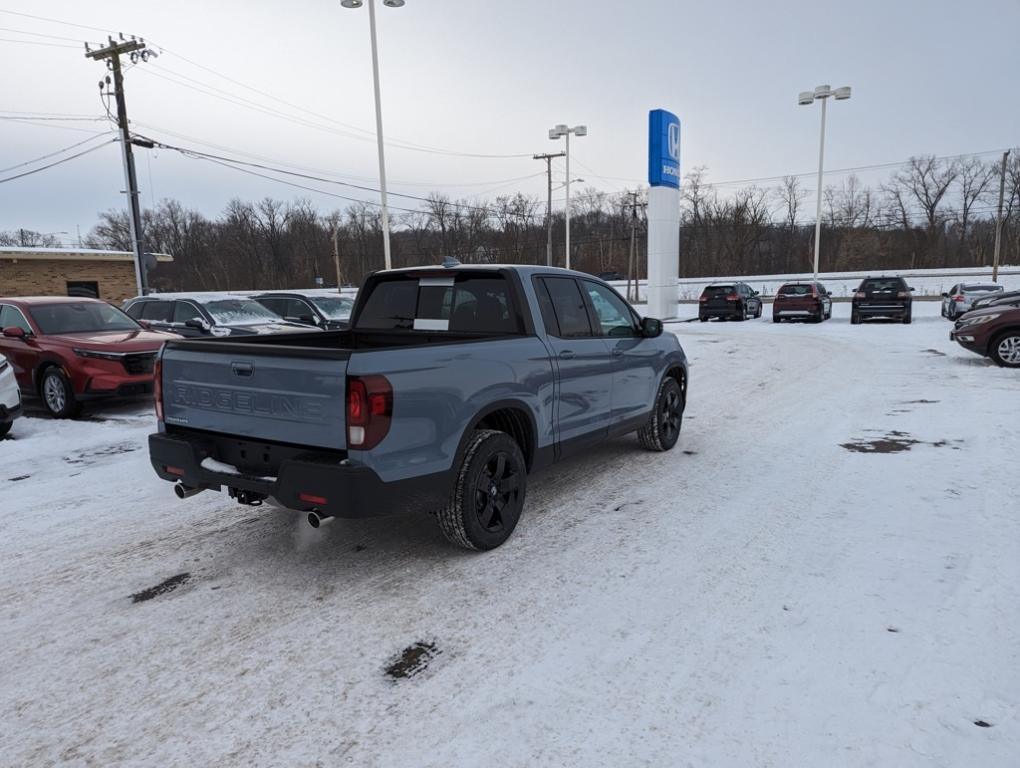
(663, 149)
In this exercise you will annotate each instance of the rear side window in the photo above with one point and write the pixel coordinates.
(568, 306)
(157, 311)
(461, 304)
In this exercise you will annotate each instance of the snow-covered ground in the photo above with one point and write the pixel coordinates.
(824, 572)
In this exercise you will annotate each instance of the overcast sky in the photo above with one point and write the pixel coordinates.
(490, 77)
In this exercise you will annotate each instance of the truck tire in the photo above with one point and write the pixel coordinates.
(5, 427)
(489, 492)
(664, 422)
(58, 394)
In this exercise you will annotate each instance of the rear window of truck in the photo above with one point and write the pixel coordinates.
(893, 284)
(459, 304)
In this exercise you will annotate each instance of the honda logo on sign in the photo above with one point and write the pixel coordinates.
(674, 141)
(663, 149)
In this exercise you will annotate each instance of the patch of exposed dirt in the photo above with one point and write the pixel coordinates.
(412, 661)
(169, 585)
(110, 450)
(18, 479)
(934, 352)
(921, 402)
(894, 442)
(982, 724)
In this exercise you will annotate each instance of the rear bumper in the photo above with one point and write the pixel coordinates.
(350, 491)
(881, 310)
(732, 311)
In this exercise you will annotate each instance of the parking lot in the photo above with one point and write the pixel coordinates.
(825, 571)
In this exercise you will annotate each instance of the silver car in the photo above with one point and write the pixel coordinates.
(10, 397)
(961, 296)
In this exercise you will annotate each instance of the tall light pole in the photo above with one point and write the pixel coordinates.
(378, 116)
(806, 98)
(998, 218)
(556, 133)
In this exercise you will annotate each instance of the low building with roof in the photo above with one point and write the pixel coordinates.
(107, 275)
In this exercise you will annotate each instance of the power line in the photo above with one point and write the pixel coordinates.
(368, 135)
(57, 162)
(223, 160)
(55, 153)
(38, 42)
(54, 21)
(75, 40)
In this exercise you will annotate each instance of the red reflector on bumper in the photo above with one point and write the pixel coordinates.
(312, 499)
(175, 471)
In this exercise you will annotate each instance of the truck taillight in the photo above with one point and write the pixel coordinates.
(906, 294)
(859, 295)
(369, 410)
(733, 297)
(157, 384)
(703, 298)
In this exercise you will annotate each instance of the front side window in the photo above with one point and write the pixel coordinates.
(185, 311)
(11, 317)
(613, 313)
(81, 318)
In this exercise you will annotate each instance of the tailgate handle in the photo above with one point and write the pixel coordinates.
(242, 369)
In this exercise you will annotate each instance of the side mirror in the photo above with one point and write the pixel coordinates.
(14, 332)
(651, 327)
(945, 295)
(145, 324)
(198, 325)
(911, 288)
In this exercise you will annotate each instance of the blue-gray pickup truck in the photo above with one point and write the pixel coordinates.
(450, 386)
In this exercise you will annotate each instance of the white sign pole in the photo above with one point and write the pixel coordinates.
(663, 251)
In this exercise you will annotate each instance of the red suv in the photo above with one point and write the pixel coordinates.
(69, 350)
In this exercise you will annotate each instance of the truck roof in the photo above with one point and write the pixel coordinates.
(524, 269)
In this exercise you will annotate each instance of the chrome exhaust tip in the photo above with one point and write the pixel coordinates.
(318, 521)
(186, 491)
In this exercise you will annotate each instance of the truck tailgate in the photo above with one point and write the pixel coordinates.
(278, 394)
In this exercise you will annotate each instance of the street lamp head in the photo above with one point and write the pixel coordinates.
(352, 3)
(393, 3)
(823, 91)
(580, 130)
(554, 134)
(806, 98)
(842, 93)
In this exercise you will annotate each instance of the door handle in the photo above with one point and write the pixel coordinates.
(567, 354)
(617, 352)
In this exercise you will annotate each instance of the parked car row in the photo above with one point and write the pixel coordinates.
(233, 314)
(68, 351)
(875, 297)
(962, 297)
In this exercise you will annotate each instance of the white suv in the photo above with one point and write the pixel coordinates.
(958, 299)
(10, 397)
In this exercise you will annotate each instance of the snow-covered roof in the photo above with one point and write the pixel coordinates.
(71, 254)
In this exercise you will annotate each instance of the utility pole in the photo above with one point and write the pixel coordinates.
(136, 49)
(632, 259)
(548, 209)
(336, 257)
(998, 219)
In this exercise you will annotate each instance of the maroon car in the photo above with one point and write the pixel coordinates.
(71, 350)
(993, 332)
(802, 301)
